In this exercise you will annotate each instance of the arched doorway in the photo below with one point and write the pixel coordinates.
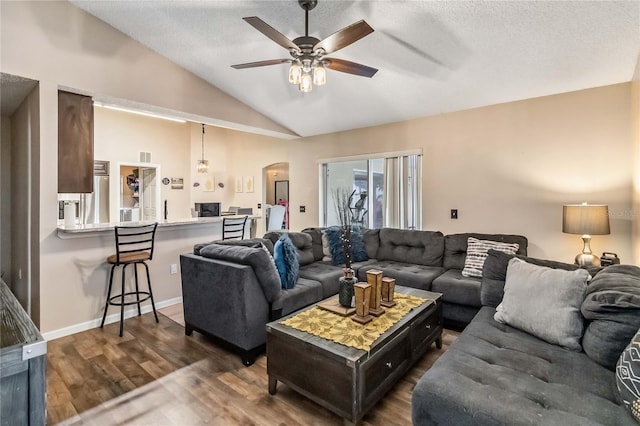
(276, 193)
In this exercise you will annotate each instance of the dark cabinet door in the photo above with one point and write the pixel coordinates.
(75, 143)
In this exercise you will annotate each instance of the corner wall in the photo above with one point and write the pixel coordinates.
(635, 117)
(507, 168)
(5, 200)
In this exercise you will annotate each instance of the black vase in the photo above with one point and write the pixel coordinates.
(345, 291)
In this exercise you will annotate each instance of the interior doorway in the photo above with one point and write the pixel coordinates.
(276, 193)
(138, 192)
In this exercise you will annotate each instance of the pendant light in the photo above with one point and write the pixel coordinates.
(203, 165)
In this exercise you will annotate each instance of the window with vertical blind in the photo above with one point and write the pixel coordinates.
(385, 189)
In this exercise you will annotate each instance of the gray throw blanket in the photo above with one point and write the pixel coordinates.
(612, 305)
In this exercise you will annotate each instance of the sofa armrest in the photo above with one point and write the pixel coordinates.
(224, 299)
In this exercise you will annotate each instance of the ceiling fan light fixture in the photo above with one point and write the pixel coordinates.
(308, 64)
(306, 84)
(319, 75)
(295, 73)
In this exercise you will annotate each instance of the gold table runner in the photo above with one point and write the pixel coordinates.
(344, 330)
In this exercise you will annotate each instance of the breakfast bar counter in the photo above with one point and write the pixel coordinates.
(98, 229)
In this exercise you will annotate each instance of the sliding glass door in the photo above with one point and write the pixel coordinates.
(384, 191)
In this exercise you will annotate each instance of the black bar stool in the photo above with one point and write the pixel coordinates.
(233, 228)
(134, 245)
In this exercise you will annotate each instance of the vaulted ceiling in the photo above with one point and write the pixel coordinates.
(433, 57)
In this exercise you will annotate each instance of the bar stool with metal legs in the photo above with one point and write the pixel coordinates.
(134, 245)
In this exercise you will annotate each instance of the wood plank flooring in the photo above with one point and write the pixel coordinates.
(156, 375)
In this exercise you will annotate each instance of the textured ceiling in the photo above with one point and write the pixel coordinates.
(13, 90)
(433, 57)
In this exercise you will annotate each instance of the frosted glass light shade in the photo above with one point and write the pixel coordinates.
(319, 75)
(305, 83)
(203, 166)
(295, 73)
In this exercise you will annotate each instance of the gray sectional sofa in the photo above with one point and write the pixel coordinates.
(228, 296)
(495, 374)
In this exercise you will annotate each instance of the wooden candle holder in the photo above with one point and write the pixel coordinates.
(362, 292)
(388, 290)
(374, 277)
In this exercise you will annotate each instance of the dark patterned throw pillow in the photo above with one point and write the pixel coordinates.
(628, 377)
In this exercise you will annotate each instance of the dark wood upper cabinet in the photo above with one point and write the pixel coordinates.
(75, 143)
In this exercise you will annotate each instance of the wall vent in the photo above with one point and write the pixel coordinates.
(145, 157)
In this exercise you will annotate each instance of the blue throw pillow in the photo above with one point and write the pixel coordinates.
(285, 255)
(336, 246)
(358, 249)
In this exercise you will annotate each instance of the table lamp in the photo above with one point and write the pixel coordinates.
(586, 220)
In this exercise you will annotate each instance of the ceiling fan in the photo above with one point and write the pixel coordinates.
(308, 63)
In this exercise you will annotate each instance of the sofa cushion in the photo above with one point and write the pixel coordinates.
(410, 246)
(301, 240)
(477, 253)
(316, 241)
(304, 293)
(286, 258)
(455, 246)
(257, 258)
(494, 374)
(544, 302)
(371, 238)
(494, 274)
(324, 272)
(406, 274)
(628, 377)
(612, 305)
(251, 242)
(458, 289)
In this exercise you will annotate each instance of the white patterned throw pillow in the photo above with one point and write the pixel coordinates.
(477, 253)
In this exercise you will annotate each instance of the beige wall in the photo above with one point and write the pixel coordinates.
(507, 168)
(120, 136)
(23, 194)
(75, 50)
(71, 49)
(635, 117)
(5, 199)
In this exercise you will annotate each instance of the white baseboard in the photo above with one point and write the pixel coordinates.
(95, 323)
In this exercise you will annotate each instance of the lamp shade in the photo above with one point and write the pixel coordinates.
(585, 219)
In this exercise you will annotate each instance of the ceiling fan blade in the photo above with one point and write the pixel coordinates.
(344, 37)
(349, 67)
(271, 32)
(261, 63)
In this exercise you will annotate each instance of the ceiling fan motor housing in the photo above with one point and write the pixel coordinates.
(307, 4)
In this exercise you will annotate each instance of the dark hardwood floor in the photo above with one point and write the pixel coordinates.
(156, 375)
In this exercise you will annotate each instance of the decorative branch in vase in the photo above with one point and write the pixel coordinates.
(342, 202)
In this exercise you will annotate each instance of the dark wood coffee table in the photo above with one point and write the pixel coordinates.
(345, 380)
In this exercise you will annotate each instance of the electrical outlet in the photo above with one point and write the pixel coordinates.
(174, 268)
(302, 209)
(454, 213)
